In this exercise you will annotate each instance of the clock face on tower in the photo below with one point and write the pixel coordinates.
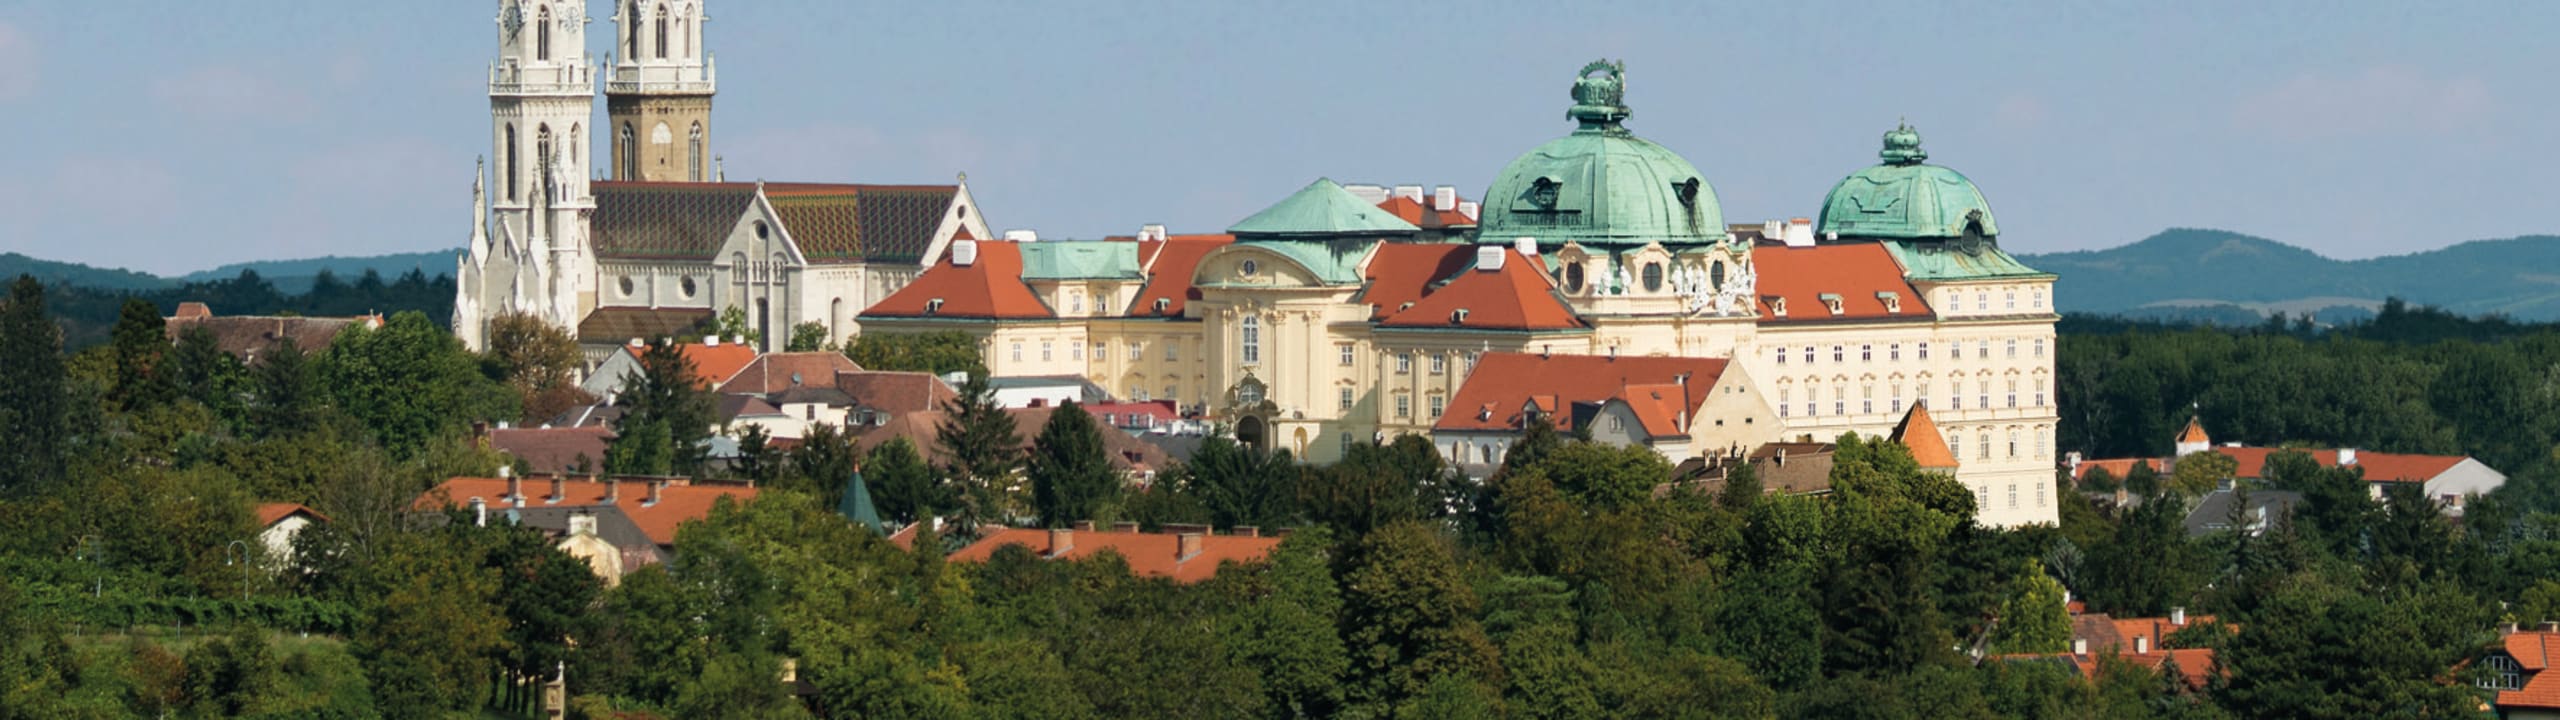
(512, 20)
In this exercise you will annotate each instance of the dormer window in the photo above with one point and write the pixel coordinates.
(1832, 301)
(1777, 305)
(1458, 316)
(1892, 301)
(1162, 305)
(933, 306)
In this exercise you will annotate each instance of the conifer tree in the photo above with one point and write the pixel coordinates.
(141, 350)
(981, 451)
(1071, 473)
(34, 401)
(664, 397)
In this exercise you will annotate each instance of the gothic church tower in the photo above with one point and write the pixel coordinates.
(529, 252)
(659, 95)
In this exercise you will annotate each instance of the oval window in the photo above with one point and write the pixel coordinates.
(688, 286)
(762, 232)
(1248, 268)
(1573, 278)
(1653, 277)
(1715, 275)
(626, 286)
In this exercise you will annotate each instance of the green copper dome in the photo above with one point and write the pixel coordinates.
(1601, 185)
(1906, 199)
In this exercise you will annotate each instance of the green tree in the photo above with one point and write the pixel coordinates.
(141, 348)
(35, 400)
(1238, 485)
(434, 625)
(664, 396)
(903, 486)
(2035, 617)
(811, 336)
(1287, 636)
(410, 382)
(1070, 470)
(2317, 651)
(981, 450)
(1410, 618)
(733, 325)
(539, 362)
(235, 675)
(2199, 473)
(285, 397)
(548, 597)
(939, 352)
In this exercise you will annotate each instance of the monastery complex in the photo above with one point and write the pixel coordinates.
(1595, 282)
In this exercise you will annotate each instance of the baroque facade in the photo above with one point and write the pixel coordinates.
(667, 244)
(1328, 320)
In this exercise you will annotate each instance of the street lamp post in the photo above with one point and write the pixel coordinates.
(237, 553)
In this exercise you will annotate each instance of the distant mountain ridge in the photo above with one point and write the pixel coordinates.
(2189, 272)
(288, 276)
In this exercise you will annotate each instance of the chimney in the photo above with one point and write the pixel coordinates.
(711, 341)
(1190, 546)
(964, 252)
(2178, 616)
(2346, 456)
(1774, 230)
(1151, 231)
(1022, 236)
(515, 487)
(559, 489)
(480, 518)
(1410, 192)
(1370, 194)
(1528, 246)
(1248, 531)
(1124, 527)
(1084, 525)
(2141, 644)
(2551, 626)
(638, 343)
(2079, 646)
(1800, 232)
(655, 488)
(612, 490)
(1444, 198)
(1470, 209)
(1489, 257)
(582, 524)
(1061, 540)
(2508, 629)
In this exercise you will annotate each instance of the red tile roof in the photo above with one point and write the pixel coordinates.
(2534, 652)
(1169, 266)
(775, 372)
(1401, 273)
(1148, 554)
(1920, 433)
(990, 288)
(1657, 407)
(271, 513)
(715, 364)
(1503, 383)
(897, 392)
(550, 450)
(678, 502)
(2120, 636)
(2251, 463)
(1519, 296)
(1128, 453)
(1855, 272)
(2194, 432)
(1421, 215)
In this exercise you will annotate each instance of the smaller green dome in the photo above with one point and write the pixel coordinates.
(1906, 199)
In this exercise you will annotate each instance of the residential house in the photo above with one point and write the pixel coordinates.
(278, 525)
(2141, 641)
(2448, 479)
(800, 387)
(638, 516)
(577, 450)
(2515, 673)
(1189, 555)
(1677, 406)
(251, 337)
(714, 362)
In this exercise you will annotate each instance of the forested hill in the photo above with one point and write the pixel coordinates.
(62, 273)
(295, 276)
(2192, 273)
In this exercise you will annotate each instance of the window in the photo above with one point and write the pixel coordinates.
(631, 31)
(2040, 392)
(2010, 300)
(2013, 392)
(1135, 353)
(2040, 444)
(1404, 363)
(1252, 340)
(2040, 493)
(1839, 353)
(511, 162)
(1897, 399)
(2013, 496)
(1017, 352)
(1808, 354)
(1982, 390)
(1138, 392)
(1346, 443)
(1982, 303)
(1985, 440)
(1955, 394)
(1172, 350)
(2039, 299)
(2504, 673)
(1438, 404)
(1840, 400)
(542, 36)
(1404, 406)
(1866, 353)
(1653, 277)
(1439, 364)
(1955, 444)
(1075, 351)
(2012, 348)
(1471, 362)
(1867, 400)
(1893, 352)
(1782, 400)
(1982, 350)
(2013, 443)
(626, 164)
(1345, 352)
(1924, 351)
(2039, 347)
(1617, 424)
(1982, 497)
(1345, 398)
(1048, 351)
(662, 32)
(1173, 392)
(1101, 352)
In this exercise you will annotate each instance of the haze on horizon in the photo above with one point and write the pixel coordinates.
(176, 137)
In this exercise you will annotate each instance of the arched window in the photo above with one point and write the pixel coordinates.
(662, 32)
(693, 155)
(512, 175)
(542, 35)
(626, 164)
(684, 34)
(542, 158)
(1252, 340)
(631, 31)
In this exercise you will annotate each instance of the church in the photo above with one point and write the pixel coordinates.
(651, 241)
(1331, 319)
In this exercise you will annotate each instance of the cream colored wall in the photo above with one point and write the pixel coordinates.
(1440, 361)
(1735, 415)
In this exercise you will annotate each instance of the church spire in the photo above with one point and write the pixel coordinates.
(659, 96)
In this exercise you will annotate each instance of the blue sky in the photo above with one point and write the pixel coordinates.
(175, 136)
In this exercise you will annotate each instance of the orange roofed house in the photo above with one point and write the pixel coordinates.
(1187, 556)
(637, 516)
(1342, 315)
(2448, 479)
(2517, 673)
(714, 361)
